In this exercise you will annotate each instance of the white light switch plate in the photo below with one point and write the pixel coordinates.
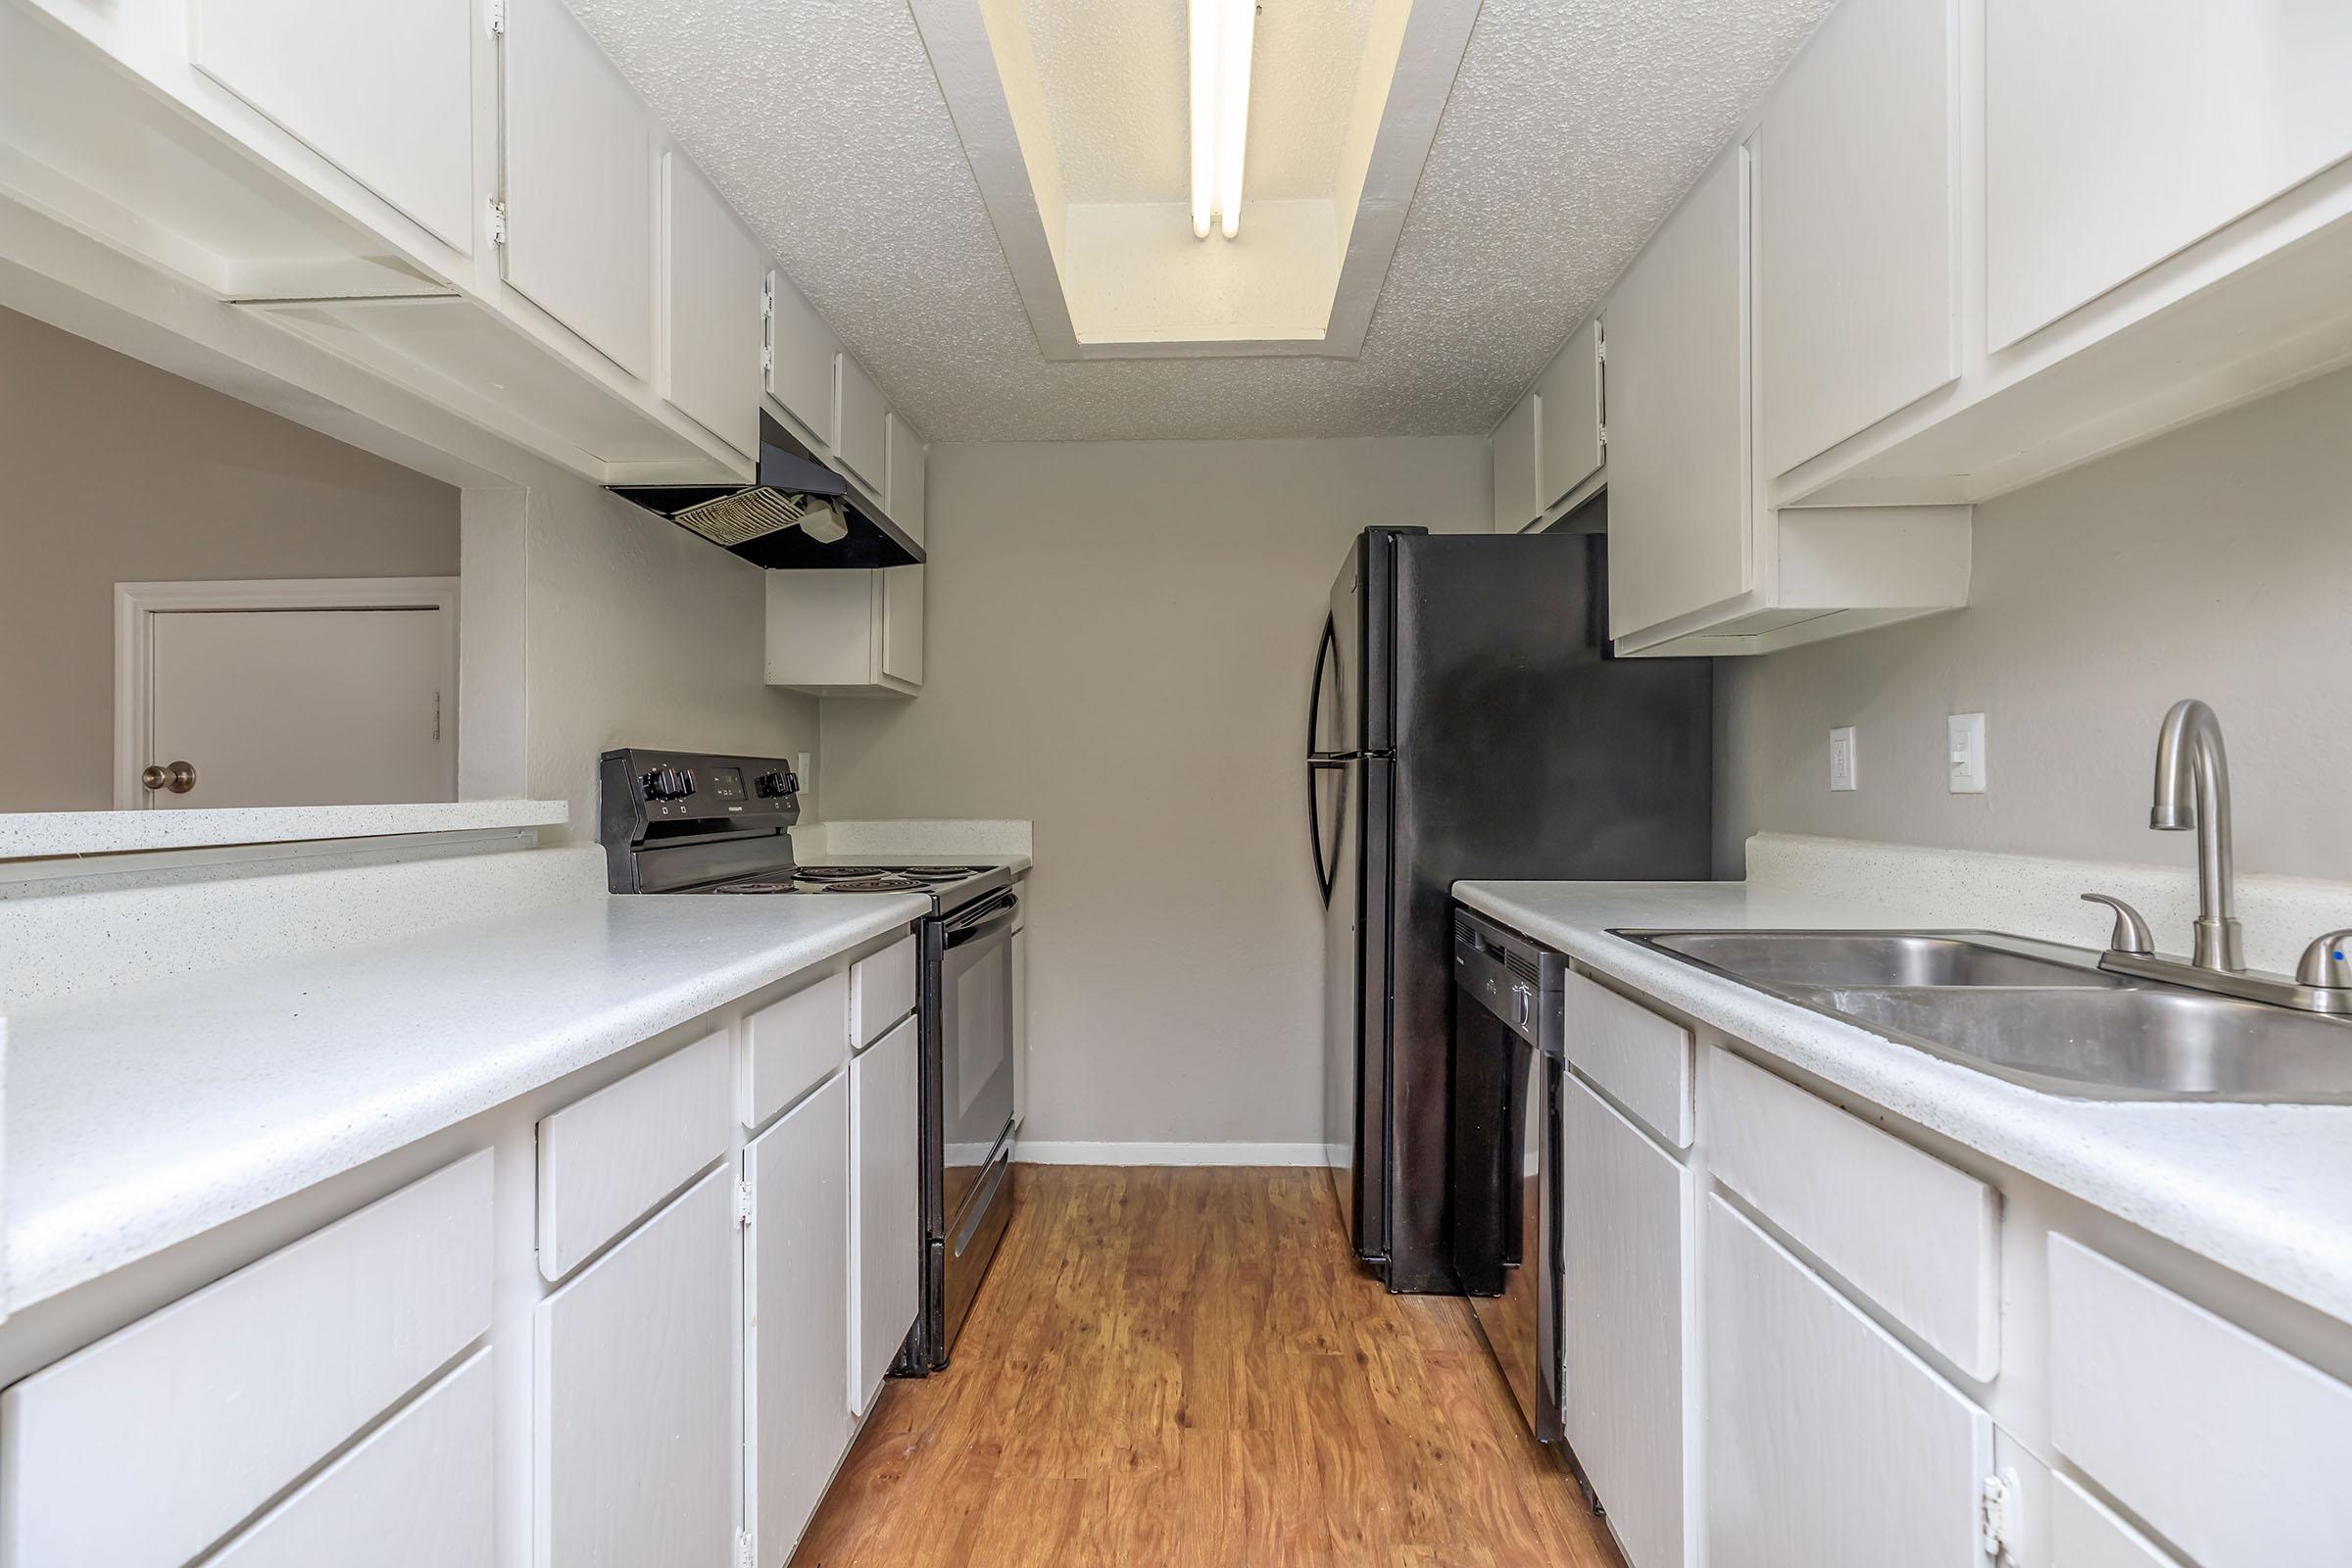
(1842, 758)
(1966, 733)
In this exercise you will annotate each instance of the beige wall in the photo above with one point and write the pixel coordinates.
(111, 471)
(625, 630)
(1119, 642)
(2214, 562)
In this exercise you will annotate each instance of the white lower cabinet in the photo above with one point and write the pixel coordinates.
(886, 1236)
(796, 1318)
(1828, 1445)
(416, 1492)
(636, 1445)
(1627, 1241)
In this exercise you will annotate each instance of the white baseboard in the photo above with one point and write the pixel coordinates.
(1034, 1152)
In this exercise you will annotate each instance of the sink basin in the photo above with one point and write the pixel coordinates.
(1880, 958)
(2143, 1041)
(2036, 1013)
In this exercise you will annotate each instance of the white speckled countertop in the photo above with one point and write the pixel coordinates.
(123, 1137)
(2264, 1190)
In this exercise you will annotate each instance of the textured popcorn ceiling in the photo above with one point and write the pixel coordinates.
(1118, 76)
(1574, 126)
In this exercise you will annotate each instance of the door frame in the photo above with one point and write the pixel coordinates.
(137, 604)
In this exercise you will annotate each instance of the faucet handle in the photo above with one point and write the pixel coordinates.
(2328, 962)
(2132, 934)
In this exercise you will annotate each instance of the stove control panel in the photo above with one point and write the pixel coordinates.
(639, 789)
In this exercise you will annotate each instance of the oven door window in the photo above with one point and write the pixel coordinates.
(976, 1053)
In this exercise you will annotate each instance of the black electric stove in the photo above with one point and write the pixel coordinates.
(693, 822)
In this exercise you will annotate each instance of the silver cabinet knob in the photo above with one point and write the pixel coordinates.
(2131, 933)
(2328, 962)
(177, 777)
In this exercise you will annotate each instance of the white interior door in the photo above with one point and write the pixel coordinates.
(301, 707)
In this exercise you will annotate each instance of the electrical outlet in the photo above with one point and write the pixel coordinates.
(1842, 758)
(1965, 733)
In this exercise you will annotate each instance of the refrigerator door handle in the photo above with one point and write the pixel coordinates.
(1320, 761)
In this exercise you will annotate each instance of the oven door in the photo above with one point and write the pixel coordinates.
(975, 1091)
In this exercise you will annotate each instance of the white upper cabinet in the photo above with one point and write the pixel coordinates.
(861, 423)
(906, 498)
(903, 623)
(1678, 479)
(1857, 184)
(2119, 131)
(711, 278)
(800, 350)
(1569, 437)
(578, 184)
(383, 92)
(1516, 483)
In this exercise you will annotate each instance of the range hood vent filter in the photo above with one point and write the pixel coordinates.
(747, 514)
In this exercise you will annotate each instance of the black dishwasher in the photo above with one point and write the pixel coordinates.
(1508, 1064)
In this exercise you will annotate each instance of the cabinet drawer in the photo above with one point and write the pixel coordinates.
(794, 1042)
(2230, 1448)
(416, 1492)
(881, 991)
(1641, 1060)
(1906, 1229)
(143, 1448)
(605, 1161)
(2085, 1534)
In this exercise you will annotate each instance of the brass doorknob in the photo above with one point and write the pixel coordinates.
(177, 777)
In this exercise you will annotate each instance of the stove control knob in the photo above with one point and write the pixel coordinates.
(772, 784)
(666, 783)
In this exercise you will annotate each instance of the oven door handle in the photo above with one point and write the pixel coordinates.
(974, 924)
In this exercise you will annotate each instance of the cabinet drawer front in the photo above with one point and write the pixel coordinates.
(794, 1043)
(2085, 1534)
(416, 1492)
(606, 1160)
(143, 1448)
(1632, 1053)
(637, 1449)
(1827, 1443)
(1914, 1235)
(881, 991)
(2230, 1448)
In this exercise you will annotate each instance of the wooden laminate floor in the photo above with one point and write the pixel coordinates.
(1187, 1366)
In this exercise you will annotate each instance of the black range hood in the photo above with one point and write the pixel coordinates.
(797, 516)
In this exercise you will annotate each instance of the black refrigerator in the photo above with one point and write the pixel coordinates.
(1468, 721)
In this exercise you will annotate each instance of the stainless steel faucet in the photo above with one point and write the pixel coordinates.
(2193, 791)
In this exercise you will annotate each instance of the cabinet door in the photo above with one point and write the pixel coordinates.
(907, 478)
(797, 1332)
(383, 92)
(887, 1232)
(413, 1492)
(1827, 1443)
(1627, 1237)
(861, 423)
(636, 1442)
(1569, 437)
(801, 355)
(1858, 230)
(711, 275)
(903, 623)
(1679, 480)
(2118, 132)
(579, 185)
(1020, 1027)
(1516, 482)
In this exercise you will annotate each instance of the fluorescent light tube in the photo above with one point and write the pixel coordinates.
(1234, 38)
(1221, 34)
(1203, 39)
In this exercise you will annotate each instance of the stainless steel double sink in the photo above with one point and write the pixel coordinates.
(2036, 1013)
